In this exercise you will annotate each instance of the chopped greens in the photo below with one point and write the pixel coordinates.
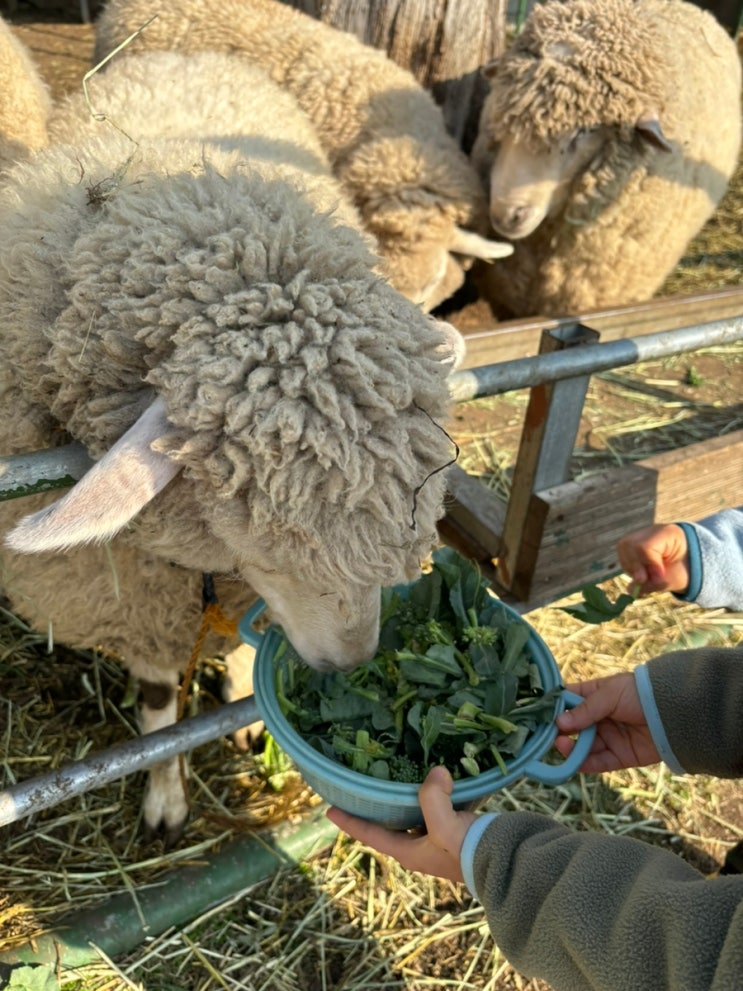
(452, 683)
(597, 607)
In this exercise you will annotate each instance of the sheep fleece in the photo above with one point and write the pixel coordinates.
(629, 218)
(25, 103)
(225, 275)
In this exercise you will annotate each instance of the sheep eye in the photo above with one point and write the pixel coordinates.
(575, 138)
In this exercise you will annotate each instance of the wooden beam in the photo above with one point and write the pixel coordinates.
(698, 480)
(474, 517)
(574, 527)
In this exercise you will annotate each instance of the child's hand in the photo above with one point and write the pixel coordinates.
(622, 736)
(656, 558)
(434, 852)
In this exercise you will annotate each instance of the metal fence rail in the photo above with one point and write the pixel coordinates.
(76, 777)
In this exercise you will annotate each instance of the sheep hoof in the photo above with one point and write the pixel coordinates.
(166, 806)
(169, 835)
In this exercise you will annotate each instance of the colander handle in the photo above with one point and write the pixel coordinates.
(555, 774)
(245, 626)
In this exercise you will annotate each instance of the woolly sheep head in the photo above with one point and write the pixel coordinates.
(560, 98)
(310, 447)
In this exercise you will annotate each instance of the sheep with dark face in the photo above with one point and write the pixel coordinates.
(203, 315)
(384, 136)
(609, 135)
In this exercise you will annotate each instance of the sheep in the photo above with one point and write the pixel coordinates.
(261, 405)
(25, 103)
(384, 135)
(608, 136)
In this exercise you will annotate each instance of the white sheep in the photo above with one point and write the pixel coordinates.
(261, 404)
(25, 102)
(609, 134)
(384, 135)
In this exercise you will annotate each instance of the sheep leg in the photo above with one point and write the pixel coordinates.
(238, 684)
(166, 803)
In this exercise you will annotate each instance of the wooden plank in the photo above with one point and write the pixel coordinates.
(547, 440)
(582, 521)
(520, 338)
(474, 516)
(699, 479)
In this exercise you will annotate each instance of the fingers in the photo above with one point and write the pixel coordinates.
(644, 564)
(433, 852)
(391, 842)
(598, 760)
(442, 822)
(438, 812)
(601, 698)
(656, 558)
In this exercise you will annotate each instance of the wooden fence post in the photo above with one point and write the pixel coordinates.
(547, 440)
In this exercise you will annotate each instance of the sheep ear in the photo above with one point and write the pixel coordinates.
(468, 243)
(648, 127)
(108, 496)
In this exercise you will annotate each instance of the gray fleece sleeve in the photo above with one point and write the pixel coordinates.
(698, 695)
(590, 912)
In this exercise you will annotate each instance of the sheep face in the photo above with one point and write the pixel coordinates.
(332, 626)
(528, 185)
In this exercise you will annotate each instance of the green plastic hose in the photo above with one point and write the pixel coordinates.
(121, 924)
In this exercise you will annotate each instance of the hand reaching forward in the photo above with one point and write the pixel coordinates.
(622, 735)
(433, 852)
(656, 558)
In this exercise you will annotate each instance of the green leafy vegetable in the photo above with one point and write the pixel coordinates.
(597, 607)
(453, 682)
(28, 977)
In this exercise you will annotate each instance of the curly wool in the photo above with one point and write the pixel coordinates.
(287, 378)
(383, 133)
(302, 389)
(579, 64)
(211, 297)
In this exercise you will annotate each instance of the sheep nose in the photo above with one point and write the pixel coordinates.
(513, 220)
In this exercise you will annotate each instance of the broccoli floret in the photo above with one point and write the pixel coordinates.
(403, 769)
(484, 636)
(421, 636)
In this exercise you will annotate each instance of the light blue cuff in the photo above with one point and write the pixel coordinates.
(471, 839)
(696, 574)
(652, 718)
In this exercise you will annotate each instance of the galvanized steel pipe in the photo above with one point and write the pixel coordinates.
(42, 471)
(75, 778)
(522, 373)
(59, 467)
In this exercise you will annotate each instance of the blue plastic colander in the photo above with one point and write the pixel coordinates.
(394, 803)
